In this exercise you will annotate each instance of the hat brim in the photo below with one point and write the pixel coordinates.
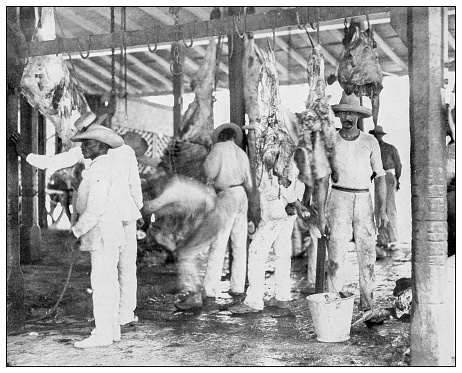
(235, 127)
(372, 132)
(363, 111)
(102, 134)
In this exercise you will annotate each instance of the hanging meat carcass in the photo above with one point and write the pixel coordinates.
(48, 85)
(183, 161)
(315, 155)
(359, 70)
(274, 146)
(187, 152)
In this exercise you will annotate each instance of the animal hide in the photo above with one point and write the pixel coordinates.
(359, 70)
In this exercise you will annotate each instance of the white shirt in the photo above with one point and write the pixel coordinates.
(97, 204)
(123, 159)
(228, 165)
(274, 197)
(357, 160)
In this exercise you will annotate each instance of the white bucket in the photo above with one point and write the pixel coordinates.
(331, 319)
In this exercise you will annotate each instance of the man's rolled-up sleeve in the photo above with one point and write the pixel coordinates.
(56, 162)
(376, 159)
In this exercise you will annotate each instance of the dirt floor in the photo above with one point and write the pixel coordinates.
(213, 337)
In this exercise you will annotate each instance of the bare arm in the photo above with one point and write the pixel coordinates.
(381, 191)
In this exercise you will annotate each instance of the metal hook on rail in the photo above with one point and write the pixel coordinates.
(147, 41)
(192, 38)
(237, 27)
(27, 58)
(274, 30)
(88, 47)
(297, 15)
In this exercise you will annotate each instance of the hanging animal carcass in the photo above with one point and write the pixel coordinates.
(359, 70)
(48, 85)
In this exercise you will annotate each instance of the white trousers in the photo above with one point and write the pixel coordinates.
(127, 273)
(349, 212)
(105, 287)
(276, 234)
(232, 205)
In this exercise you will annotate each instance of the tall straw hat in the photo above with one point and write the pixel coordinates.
(351, 103)
(100, 133)
(235, 127)
(377, 130)
(136, 142)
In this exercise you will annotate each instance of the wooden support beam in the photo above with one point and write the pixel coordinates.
(236, 81)
(177, 79)
(429, 322)
(30, 233)
(42, 145)
(15, 311)
(166, 34)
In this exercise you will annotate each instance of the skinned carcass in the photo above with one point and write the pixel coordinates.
(48, 85)
(315, 154)
(359, 71)
(274, 145)
(186, 154)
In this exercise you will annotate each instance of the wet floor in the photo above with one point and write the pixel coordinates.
(213, 337)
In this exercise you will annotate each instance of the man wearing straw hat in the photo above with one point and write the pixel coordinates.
(130, 202)
(388, 236)
(99, 230)
(349, 207)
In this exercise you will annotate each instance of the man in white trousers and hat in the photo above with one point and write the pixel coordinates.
(349, 206)
(99, 230)
(130, 202)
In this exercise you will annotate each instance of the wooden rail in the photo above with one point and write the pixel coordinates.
(198, 30)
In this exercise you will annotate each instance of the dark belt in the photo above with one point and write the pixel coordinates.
(229, 187)
(350, 190)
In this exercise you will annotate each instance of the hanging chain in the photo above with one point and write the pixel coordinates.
(124, 28)
(176, 67)
(113, 81)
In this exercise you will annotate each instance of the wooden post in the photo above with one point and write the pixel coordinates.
(15, 312)
(30, 233)
(320, 267)
(42, 144)
(235, 76)
(177, 80)
(428, 178)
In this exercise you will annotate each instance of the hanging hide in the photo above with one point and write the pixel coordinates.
(359, 70)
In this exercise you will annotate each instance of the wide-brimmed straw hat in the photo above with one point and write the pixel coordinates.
(377, 131)
(85, 120)
(136, 142)
(351, 103)
(100, 133)
(235, 127)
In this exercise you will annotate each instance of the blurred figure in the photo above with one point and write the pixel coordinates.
(192, 207)
(388, 236)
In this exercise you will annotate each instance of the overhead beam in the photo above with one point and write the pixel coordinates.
(253, 22)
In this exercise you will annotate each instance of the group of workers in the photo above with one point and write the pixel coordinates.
(110, 198)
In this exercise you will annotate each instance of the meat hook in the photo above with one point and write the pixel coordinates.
(192, 38)
(237, 27)
(157, 40)
(88, 48)
(27, 58)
